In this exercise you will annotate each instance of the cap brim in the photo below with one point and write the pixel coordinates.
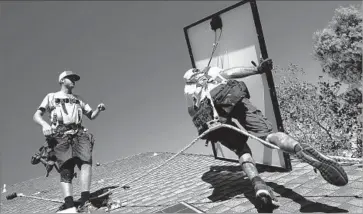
(75, 76)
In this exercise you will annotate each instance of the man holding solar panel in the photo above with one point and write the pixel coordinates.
(213, 94)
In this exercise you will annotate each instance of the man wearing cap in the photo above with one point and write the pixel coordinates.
(72, 144)
(214, 94)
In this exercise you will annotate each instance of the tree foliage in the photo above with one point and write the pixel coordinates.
(338, 47)
(316, 114)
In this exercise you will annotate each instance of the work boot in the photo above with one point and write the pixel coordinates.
(86, 207)
(264, 65)
(262, 191)
(69, 210)
(329, 169)
(274, 201)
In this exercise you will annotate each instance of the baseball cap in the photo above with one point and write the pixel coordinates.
(67, 74)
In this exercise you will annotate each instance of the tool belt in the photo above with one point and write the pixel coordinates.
(204, 114)
(44, 154)
(62, 128)
(225, 97)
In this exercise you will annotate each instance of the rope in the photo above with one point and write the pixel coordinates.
(213, 127)
(336, 158)
(174, 156)
(125, 186)
(251, 136)
(218, 126)
(215, 45)
(346, 159)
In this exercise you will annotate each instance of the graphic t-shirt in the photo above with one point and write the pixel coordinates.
(64, 108)
(199, 86)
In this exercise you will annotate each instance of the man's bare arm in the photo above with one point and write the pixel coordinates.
(38, 118)
(239, 72)
(93, 114)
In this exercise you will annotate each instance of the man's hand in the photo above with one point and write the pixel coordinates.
(93, 114)
(264, 66)
(47, 130)
(101, 107)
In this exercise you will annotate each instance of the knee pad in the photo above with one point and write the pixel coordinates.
(283, 141)
(246, 158)
(66, 174)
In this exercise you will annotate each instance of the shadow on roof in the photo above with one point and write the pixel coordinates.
(230, 181)
(306, 206)
(98, 198)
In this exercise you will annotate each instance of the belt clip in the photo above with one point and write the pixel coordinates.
(213, 123)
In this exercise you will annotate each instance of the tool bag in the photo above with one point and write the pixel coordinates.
(225, 97)
(45, 152)
(44, 156)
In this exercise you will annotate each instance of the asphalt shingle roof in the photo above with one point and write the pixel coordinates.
(210, 185)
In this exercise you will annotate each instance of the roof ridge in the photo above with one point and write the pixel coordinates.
(32, 179)
(123, 158)
(127, 157)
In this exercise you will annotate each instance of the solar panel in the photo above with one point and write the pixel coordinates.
(240, 43)
(181, 207)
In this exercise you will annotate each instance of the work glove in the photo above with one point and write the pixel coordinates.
(265, 65)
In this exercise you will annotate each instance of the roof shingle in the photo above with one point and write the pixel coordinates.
(210, 185)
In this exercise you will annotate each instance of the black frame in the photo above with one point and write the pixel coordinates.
(269, 76)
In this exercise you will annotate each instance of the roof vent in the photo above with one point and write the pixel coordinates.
(181, 207)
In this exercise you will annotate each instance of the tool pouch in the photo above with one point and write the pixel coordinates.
(203, 118)
(44, 156)
(226, 96)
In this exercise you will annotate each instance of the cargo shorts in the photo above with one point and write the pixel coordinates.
(76, 147)
(252, 120)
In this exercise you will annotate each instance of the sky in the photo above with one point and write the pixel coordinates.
(131, 56)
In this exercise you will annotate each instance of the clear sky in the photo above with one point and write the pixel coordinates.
(131, 56)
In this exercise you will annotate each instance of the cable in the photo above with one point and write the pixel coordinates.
(215, 44)
(213, 127)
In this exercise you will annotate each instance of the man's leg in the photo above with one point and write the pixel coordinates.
(85, 177)
(241, 112)
(67, 189)
(66, 176)
(83, 150)
(237, 143)
(256, 123)
(329, 169)
(63, 154)
(249, 167)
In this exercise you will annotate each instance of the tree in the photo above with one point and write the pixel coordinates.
(316, 114)
(338, 47)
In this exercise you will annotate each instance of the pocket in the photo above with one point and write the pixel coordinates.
(203, 115)
(86, 137)
(91, 139)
